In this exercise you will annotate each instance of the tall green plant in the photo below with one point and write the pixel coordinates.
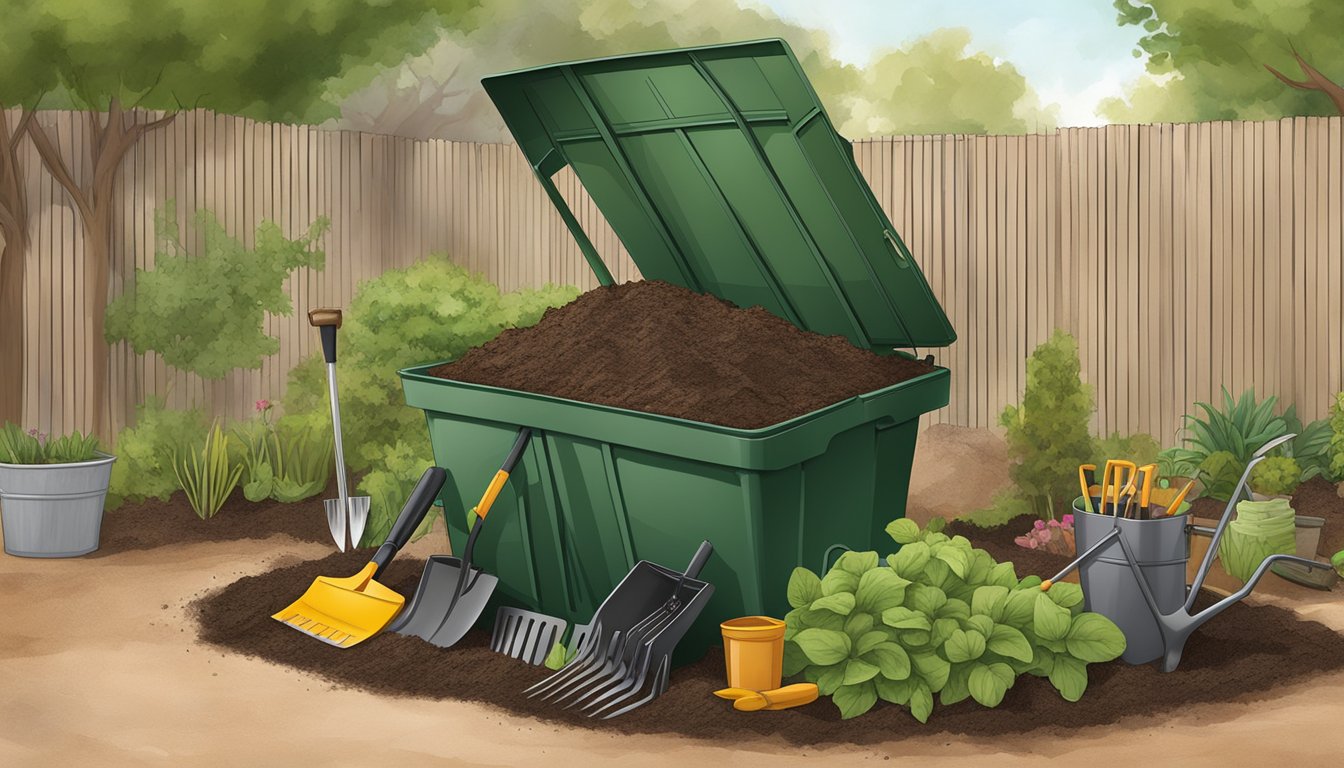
(1048, 433)
(144, 465)
(206, 474)
(205, 313)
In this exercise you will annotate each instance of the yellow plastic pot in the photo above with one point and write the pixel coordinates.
(753, 652)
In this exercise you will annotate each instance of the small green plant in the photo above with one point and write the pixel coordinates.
(1174, 462)
(1219, 473)
(32, 447)
(1276, 476)
(941, 617)
(1335, 465)
(1139, 448)
(205, 474)
(289, 461)
(144, 466)
(558, 656)
(1337, 560)
(1048, 433)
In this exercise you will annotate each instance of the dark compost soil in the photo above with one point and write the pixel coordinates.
(153, 523)
(655, 347)
(1242, 655)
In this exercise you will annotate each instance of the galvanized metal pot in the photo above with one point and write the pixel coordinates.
(53, 510)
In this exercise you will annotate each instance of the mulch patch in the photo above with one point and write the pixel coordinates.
(153, 523)
(1243, 655)
(659, 348)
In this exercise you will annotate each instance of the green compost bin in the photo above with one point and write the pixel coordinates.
(720, 171)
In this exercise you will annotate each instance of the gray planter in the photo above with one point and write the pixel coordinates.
(53, 510)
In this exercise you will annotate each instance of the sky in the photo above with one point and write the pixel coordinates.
(1070, 51)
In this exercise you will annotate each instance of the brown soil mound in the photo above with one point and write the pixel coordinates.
(1241, 655)
(155, 523)
(655, 347)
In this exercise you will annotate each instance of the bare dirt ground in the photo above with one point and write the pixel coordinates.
(99, 665)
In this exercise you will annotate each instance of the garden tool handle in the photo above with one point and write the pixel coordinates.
(1145, 511)
(698, 561)
(327, 321)
(417, 506)
(502, 476)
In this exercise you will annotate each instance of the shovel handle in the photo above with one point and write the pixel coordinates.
(502, 476)
(417, 506)
(699, 559)
(326, 321)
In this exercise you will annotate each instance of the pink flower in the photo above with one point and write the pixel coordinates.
(1025, 541)
(263, 405)
(1040, 525)
(1067, 520)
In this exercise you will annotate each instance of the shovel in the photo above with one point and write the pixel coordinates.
(452, 594)
(357, 507)
(343, 612)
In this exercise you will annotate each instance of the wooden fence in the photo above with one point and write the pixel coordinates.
(1184, 258)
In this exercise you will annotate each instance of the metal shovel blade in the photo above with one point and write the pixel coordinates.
(336, 520)
(432, 616)
(359, 518)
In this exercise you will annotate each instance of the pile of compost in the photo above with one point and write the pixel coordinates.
(659, 348)
(1240, 656)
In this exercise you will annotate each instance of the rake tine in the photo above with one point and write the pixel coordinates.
(636, 649)
(625, 686)
(600, 660)
(501, 632)
(582, 660)
(613, 660)
(659, 686)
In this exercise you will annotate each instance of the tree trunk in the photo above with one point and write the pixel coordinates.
(109, 144)
(14, 231)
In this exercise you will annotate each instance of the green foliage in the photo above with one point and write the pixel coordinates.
(1237, 431)
(1139, 448)
(1175, 462)
(19, 447)
(1336, 447)
(1049, 430)
(289, 461)
(144, 465)
(558, 657)
(941, 617)
(432, 310)
(1260, 529)
(389, 486)
(1210, 56)
(206, 474)
(1006, 505)
(1337, 560)
(1276, 476)
(206, 313)
(164, 54)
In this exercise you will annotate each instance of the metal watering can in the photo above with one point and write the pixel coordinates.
(1133, 573)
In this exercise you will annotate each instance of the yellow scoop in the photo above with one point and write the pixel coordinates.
(343, 612)
(745, 700)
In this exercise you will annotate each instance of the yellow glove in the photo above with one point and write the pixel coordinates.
(780, 698)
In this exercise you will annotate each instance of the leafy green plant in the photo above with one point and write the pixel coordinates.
(941, 617)
(19, 447)
(288, 461)
(1311, 447)
(205, 473)
(31, 447)
(1276, 476)
(1335, 467)
(1139, 448)
(558, 656)
(1049, 429)
(144, 465)
(1219, 473)
(1175, 462)
(1337, 560)
(390, 485)
(205, 313)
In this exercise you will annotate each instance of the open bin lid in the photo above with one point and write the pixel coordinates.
(720, 171)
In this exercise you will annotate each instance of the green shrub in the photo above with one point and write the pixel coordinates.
(1219, 473)
(144, 465)
(1336, 448)
(940, 618)
(288, 461)
(1139, 448)
(390, 485)
(19, 447)
(1276, 476)
(1048, 433)
(430, 311)
(205, 313)
(1007, 505)
(205, 473)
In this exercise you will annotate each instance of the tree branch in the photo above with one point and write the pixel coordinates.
(1316, 81)
(55, 165)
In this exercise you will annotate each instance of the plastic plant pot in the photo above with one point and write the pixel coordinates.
(753, 652)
